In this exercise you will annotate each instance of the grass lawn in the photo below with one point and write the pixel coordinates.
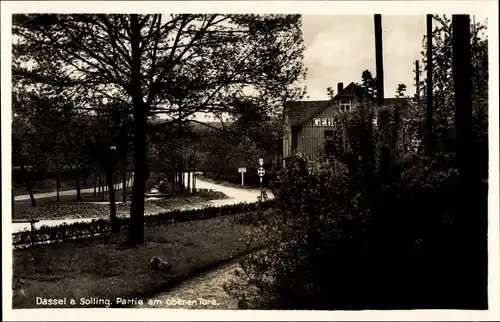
(105, 268)
(68, 208)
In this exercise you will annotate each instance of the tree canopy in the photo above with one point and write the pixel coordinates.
(176, 65)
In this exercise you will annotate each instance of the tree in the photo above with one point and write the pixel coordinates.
(27, 149)
(442, 81)
(462, 80)
(400, 90)
(251, 134)
(106, 144)
(36, 136)
(176, 65)
(330, 92)
(368, 82)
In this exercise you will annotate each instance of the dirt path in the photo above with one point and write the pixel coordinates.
(202, 292)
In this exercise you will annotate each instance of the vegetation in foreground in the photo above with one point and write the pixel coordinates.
(105, 268)
(382, 226)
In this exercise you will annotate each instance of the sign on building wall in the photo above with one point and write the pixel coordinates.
(323, 122)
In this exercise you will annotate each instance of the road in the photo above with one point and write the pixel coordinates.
(236, 195)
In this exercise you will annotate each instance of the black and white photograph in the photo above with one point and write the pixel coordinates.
(214, 161)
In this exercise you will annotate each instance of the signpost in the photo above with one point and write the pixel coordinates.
(242, 171)
(261, 172)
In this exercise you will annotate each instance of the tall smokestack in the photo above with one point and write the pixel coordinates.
(340, 87)
(379, 60)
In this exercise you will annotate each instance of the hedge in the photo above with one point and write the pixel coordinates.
(66, 232)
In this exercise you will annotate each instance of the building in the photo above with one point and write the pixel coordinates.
(307, 124)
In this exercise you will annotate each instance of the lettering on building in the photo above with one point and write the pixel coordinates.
(323, 122)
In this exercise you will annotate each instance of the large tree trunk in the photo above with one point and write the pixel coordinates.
(104, 186)
(473, 217)
(462, 72)
(429, 118)
(172, 179)
(29, 185)
(112, 201)
(94, 178)
(101, 189)
(136, 226)
(78, 188)
(125, 180)
(58, 184)
(32, 196)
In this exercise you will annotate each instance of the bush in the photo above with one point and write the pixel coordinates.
(65, 232)
(372, 229)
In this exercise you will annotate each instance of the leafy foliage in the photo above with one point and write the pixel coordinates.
(400, 90)
(371, 229)
(185, 59)
(442, 74)
(66, 232)
(252, 134)
(175, 65)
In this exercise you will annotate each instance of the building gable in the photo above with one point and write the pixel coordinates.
(299, 112)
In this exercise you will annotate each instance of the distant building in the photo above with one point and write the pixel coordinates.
(308, 124)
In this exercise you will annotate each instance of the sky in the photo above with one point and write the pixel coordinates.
(339, 48)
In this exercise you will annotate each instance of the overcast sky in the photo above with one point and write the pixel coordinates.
(339, 48)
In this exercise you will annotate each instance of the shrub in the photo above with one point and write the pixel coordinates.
(65, 232)
(375, 228)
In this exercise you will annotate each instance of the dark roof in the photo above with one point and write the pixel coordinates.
(351, 90)
(395, 100)
(300, 112)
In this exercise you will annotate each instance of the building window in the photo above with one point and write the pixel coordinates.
(328, 143)
(345, 105)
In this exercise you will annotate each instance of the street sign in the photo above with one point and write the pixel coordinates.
(261, 162)
(261, 171)
(242, 171)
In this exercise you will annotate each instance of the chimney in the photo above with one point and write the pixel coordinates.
(340, 87)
